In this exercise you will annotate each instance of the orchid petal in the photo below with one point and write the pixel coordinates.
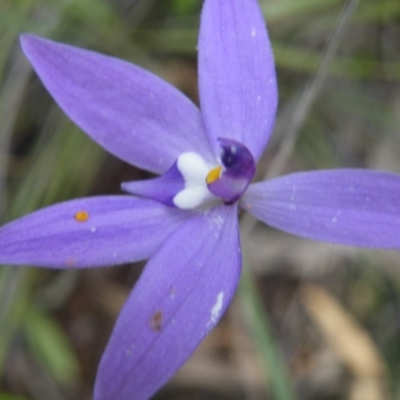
(238, 89)
(163, 188)
(353, 207)
(184, 290)
(130, 112)
(89, 232)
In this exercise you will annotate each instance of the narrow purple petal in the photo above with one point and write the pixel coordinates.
(162, 188)
(89, 232)
(127, 110)
(353, 207)
(238, 90)
(181, 295)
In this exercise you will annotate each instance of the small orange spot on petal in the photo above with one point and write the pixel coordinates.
(156, 321)
(249, 206)
(82, 216)
(214, 175)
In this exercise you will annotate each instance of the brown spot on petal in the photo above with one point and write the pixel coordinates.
(156, 321)
(82, 216)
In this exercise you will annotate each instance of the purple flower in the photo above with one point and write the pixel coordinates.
(185, 221)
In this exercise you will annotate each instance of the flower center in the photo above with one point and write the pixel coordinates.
(191, 182)
(230, 180)
(227, 181)
(194, 171)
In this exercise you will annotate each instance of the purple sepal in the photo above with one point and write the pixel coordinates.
(130, 112)
(348, 206)
(237, 173)
(163, 188)
(89, 232)
(181, 295)
(237, 81)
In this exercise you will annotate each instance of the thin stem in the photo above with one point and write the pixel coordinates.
(275, 369)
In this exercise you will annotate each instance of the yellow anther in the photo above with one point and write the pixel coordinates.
(214, 175)
(82, 216)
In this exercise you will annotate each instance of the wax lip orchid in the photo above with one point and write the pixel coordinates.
(185, 221)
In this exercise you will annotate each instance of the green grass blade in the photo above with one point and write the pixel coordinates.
(276, 372)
